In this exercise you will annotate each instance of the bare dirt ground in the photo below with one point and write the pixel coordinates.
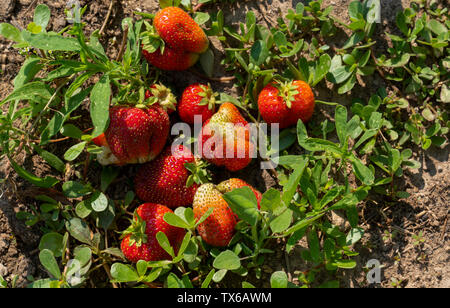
(390, 228)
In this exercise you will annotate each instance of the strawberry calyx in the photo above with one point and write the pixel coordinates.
(162, 95)
(288, 91)
(136, 231)
(209, 97)
(199, 174)
(151, 40)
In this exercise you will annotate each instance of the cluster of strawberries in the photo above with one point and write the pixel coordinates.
(139, 135)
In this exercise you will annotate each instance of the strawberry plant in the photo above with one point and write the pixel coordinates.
(173, 223)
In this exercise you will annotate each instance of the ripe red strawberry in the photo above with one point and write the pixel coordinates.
(139, 240)
(165, 179)
(218, 229)
(197, 99)
(162, 95)
(171, 59)
(175, 41)
(286, 103)
(225, 139)
(233, 183)
(134, 135)
(180, 31)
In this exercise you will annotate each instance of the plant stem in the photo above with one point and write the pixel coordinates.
(111, 5)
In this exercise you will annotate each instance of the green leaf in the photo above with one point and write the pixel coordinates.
(79, 230)
(227, 260)
(280, 39)
(74, 151)
(281, 222)
(123, 273)
(46, 182)
(191, 252)
(397, 62)
(244, 204)
(28, 71)
(314, 246)
(201, 18)
(355, 8)
(302, 224)
(401, 23)
(341, 123)
(259, 53)
(52, 42)
(83, 255)
(107, 177)
(362, 172)
(106, 217)
(10, 32)
(279, 280)
(329, 196)
(247, 285)
(322, 68)
(219, 275)
(166, 3)
(173, 282)
(70, 130)
(42, 15)
(72, 189)
(141, 267)
(98, 201)
(290, 188)
(56, 123)
(164, 243)
(349, 59)
(348, 85)
(52, 241)
(175, 220)
(50, 158)
(395, 160)
(207, 62)
(437, 27)
(375, 120)
(83, 209)
(346, 264)
(100, 99)
(428, 115)
(48, 261)
(34, 28)
(207, 281)
(354, 236)
(271, 200)
(445, 94)
(354, 39)
(30, 91)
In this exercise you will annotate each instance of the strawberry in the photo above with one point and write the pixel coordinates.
(162, 95)
(134, 135)
(175, 41)
(167, 179)
(171, 59)
(178, 30)
(197, 99)
(286, 103)
(233, 183)
(225, 139)
(218, 229)
(139, 240)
